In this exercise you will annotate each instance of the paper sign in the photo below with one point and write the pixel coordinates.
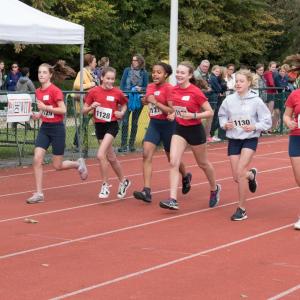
(18, 107)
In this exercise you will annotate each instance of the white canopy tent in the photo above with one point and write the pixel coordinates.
(20, 23)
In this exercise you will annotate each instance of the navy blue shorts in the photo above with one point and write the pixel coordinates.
(235, 146)
(52, 134)
(101, 129)
(160, 131)
(294, 145)
(194, 135)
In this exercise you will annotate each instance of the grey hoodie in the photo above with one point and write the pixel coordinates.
(246, 110)
(24, 84)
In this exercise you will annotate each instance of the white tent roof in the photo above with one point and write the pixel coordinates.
(24, 24)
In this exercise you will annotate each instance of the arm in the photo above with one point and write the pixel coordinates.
(264, 117)
(288, 118)
(223, 116)
(206, 113)
(60, 110)
(120, 114)
(123, 80)
(164, 108)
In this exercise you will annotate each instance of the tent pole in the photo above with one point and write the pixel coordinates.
(173, 39)
(81, 100)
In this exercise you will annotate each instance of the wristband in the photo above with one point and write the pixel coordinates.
(195, 116)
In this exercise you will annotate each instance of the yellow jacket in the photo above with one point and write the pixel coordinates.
(88, 81)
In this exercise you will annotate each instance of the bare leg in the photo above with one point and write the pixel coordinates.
(148, 153)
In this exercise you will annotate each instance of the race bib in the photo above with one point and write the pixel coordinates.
(299, 121)
(154, 110)
(48, 114)
(241, 121)
(179, 110)
(103, 113)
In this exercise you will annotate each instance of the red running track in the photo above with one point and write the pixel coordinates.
(84, 248)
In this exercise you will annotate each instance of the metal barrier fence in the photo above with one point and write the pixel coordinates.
(80, 139)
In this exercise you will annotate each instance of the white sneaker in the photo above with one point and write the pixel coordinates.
(216, 139)
(35, 198)
(123, 187)
(297, 224)
(82, 169)
(104, 192)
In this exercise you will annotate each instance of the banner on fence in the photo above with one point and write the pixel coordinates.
(18, 107)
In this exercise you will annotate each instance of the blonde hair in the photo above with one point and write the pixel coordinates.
(247, 74)
(285, 67)
(215, 67)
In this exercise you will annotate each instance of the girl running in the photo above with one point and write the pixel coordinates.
(51, 106)
(160, 129)
(292, 120)
(104, 101)
(190, 107)
(244, 116)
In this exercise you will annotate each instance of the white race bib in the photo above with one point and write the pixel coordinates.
(154, 110)
(179, 110)
(241, 121)
(103, 113)
(48, 114)
(299, 121)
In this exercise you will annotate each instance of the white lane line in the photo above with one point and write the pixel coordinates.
(170, 263)
(140, 158)
(285, 293)
(93, 236)
(115, 178)
(129, 197)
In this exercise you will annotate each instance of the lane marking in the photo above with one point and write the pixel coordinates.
(170, 263)
(93, 236)
(118, 200)
(285, 293)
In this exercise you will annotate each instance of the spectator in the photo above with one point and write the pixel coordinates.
(2, 74)
(134, 80)
(201, 76)
(230, 77)
(24, 84)
(259, 82)
(102, 63)
(12, 77)
(281, 80)
(218, 87)
(89, 81)
(269, 77)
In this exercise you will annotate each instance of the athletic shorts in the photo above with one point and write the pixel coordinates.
(160, 131)
(52, 134)
(235, 146)
(294, 145)
(102, 129)
(194, 135)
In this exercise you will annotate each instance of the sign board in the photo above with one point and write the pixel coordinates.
(18, 107)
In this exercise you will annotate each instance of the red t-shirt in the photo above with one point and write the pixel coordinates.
(293, 101)
(268, 75)
(162, 94)
(109, 100)
(189, 99)
(50, 96)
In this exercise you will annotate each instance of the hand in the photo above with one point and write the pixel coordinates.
(144, 101)
(94, 105)
(93, 83)
(291, 125)
(187, 115)
(41, 105)
(249, 128)
(138, 88)
(119, 114)
(36, 115)
(171, 117)
(229, 125)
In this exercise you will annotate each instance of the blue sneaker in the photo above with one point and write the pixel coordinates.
(215, 196)
(169, 204)
(239, 215)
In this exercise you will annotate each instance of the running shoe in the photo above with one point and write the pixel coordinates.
(186, 183)
(82, 169)
(216, 139)
(104, 192)
(297, 224)
(239, 215)
(169, 204)
(143, 195)
(215, 196)
(123, 187)
(252, 183)
(35, 198)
